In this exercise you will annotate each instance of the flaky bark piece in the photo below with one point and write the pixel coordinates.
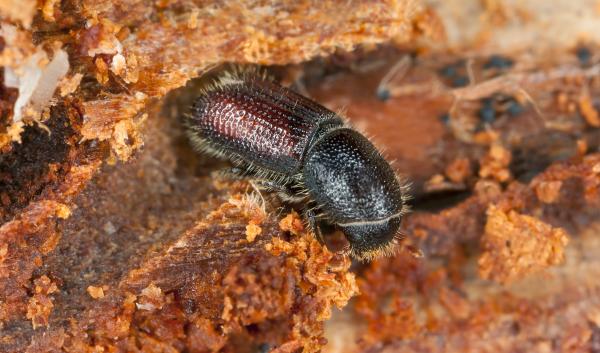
(515, 245)
(211, 287)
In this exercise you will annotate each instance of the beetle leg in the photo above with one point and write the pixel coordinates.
(313, 224)
(284, 191)
(269, 185)
(234, 173)
(242, 173)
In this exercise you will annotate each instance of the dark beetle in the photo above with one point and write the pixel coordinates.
(290, 144)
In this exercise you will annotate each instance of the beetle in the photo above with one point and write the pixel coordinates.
(306, 153)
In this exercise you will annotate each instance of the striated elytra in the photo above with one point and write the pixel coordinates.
(290, 144)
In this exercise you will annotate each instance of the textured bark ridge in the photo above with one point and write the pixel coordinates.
(115, 236)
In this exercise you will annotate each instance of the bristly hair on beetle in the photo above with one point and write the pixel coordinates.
(310, 156)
